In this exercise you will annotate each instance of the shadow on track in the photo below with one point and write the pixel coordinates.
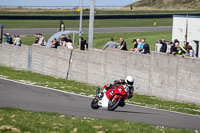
(131, 112)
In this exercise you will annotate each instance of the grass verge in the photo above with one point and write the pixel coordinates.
(15, 120)
(86, 89)
(99, 23)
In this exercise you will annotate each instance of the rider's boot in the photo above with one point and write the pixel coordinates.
(97, 92)
(101, 95)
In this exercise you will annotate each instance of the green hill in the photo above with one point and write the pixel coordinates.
(167, 5)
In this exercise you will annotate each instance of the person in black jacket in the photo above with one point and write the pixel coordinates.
(164, 46)
(55, 43)
(122, 45)
(146, 49)
(173, 49)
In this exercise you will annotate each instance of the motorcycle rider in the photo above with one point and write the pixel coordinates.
(101, 99)
(127, 83)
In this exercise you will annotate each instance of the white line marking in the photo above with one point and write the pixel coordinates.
(93, 97)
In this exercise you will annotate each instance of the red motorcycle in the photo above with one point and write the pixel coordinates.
(112, 98)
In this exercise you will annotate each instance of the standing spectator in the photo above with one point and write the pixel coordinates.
(146, 49)
(16, 40)
(111, 44)
(135, 44)
(9, 39)
(55, 43)
(131, 7)
(139, 47)
(163, 48)
(122, 44)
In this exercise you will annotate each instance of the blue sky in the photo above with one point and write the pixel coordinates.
(64, 2)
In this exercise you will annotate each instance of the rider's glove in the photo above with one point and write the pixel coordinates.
(108, 86)
(122, 81)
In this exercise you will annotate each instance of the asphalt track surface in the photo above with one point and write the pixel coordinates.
(32, 31)
(34, 98)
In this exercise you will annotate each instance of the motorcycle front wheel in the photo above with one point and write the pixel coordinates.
(112, 105)
(94, 103)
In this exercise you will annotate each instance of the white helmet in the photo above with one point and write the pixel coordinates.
(129, 80)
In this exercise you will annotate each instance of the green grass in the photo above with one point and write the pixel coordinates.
(15, 120)
(100, 39)
(86, 89)
(99, 23)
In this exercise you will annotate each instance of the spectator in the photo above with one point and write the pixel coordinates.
(135, 44)
(146, 49)
(85, 44)
(69, 39)
(163, 48)
(69, 45)
(81, 46)
(55, 43)
(16, 40)
(111, 44)
(189, 49)
(41, 40)
(177, 49)
(63, 40)
(13, 39)
(131, 7)
(176, 40)
(139, 47)
(181, 50)
(9, 39)
(37, 38)
(122, 44)
(173, 49)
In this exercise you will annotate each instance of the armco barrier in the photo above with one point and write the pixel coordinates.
(160, 75)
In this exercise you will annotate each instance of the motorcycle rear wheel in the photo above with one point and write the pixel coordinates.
(112, 105)
(94, 104)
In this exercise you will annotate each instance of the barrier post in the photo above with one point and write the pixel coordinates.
(29, 58)
(1, 36)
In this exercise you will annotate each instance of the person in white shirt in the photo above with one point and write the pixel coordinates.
(17, 40)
